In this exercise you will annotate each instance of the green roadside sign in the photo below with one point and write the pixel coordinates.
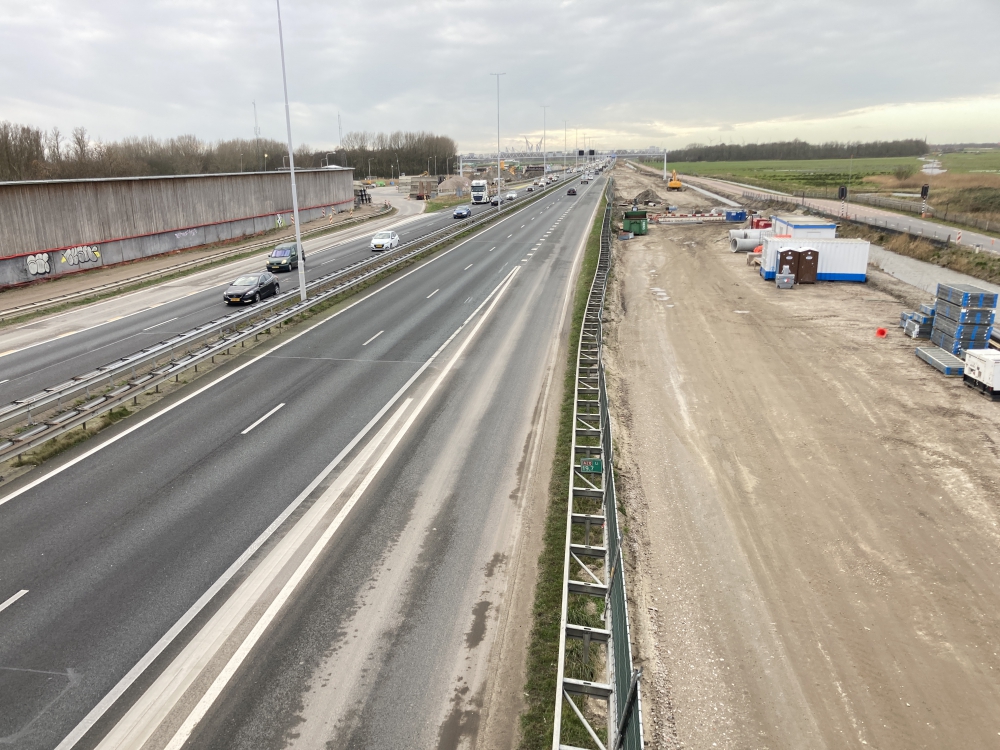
(591, 466)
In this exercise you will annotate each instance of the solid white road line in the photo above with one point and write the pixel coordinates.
(261, 419)
(509, 236)
(492, 249)
(467, 267)
(373, 338)
(160, 324)
(4, 381)
(433, 293)
(13, 599)
(209, 698)
(178, 627)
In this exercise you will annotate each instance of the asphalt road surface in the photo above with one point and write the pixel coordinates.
(310, 544)
(49, 351)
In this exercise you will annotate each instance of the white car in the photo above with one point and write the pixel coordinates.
(384, 241)
(512, 195)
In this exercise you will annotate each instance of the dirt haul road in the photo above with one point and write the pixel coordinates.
(812, 514)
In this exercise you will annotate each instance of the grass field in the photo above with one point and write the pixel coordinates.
(984, 161)
(812, 174)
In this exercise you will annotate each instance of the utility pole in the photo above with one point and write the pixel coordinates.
(498, 137)
(565, 144)
(576, 159)
(256, 134)
(664, 165)
(291, 165)
(544, 148)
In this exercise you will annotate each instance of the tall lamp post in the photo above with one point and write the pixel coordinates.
(291, 165)
(498, 136)
(544, 148)
(369, 170)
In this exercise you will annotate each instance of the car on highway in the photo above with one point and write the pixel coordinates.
(384, 241)
(584, 180)
(496, 200)
(512, 195)
(250, 288)
(571, 191)
(284, 257)
(530, 189)
(462, 212)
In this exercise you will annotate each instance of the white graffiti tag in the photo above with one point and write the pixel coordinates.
(38, 264)
(79, 255)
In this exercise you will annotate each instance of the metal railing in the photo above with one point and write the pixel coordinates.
(112, 286)
(594, 619)
(31, 421)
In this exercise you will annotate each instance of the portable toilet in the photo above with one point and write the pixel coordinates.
(635, 222)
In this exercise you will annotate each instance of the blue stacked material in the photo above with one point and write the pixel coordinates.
(922, 318)
(916, 330)
(927, 309)
(966, 295)
(942, 361)
(962, 331)
(904, 318)
(957, 345)
(976, 315)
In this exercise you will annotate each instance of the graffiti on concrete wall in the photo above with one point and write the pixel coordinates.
(38, 264)
(80, 256)
(186, 233)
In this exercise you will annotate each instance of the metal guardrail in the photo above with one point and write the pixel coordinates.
(593, 564)
(44, 304)
(42, 416)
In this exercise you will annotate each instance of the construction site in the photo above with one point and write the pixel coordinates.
(810, 512)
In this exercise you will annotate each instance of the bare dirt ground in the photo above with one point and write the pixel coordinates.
(812, 515)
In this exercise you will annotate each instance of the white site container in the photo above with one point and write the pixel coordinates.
(798, 227)
(984, 365)
(840, 259)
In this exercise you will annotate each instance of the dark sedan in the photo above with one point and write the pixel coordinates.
(571, 191)
(251, 288)
(462, 212)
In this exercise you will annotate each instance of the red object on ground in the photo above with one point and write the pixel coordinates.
(759, 249)
(881, 333)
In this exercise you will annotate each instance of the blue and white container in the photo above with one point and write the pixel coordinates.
(799, 227)
(840, 259)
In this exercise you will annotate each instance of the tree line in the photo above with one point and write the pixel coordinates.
(30, 153)
(789, 150)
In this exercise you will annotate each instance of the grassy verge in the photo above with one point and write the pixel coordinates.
(445, 201)
(543, 651)
(208, 264)
(985, 266)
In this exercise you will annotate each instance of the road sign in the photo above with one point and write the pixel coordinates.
(842, 193)
(925, 190)
(591, 466)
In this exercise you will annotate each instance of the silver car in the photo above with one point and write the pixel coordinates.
(384, 241)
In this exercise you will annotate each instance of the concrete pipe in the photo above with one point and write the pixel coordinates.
(743, 245)
(746, 234)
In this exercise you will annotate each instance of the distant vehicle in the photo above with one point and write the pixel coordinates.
(480, 191)
(284, 257)
(497, 200)
(674, 184)
(462, 212)
(571, 191)
(536, 182)
(585, 179)
(384, 241)
(512, 195)
(530, 189)
(251, 288)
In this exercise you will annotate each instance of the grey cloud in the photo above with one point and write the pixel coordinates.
(638, 71)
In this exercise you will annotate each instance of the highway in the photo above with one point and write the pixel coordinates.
(312, 544)
(50, 350)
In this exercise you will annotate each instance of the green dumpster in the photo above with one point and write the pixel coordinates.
(635, 222)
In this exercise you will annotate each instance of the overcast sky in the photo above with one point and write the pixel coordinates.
(628, 74)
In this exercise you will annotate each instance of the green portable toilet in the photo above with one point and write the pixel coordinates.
(635, 222)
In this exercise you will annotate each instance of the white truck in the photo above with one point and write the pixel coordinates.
(480, 191)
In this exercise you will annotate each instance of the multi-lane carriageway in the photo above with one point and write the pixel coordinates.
(310, 544)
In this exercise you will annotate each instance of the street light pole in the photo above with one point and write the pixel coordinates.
(498, 137)
(369, 170)
(291, 165)
(565, 144)
(544, 147)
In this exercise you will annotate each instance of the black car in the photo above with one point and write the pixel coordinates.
(497, 200)
(251, 288)
(462, 212)
(571, 191)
